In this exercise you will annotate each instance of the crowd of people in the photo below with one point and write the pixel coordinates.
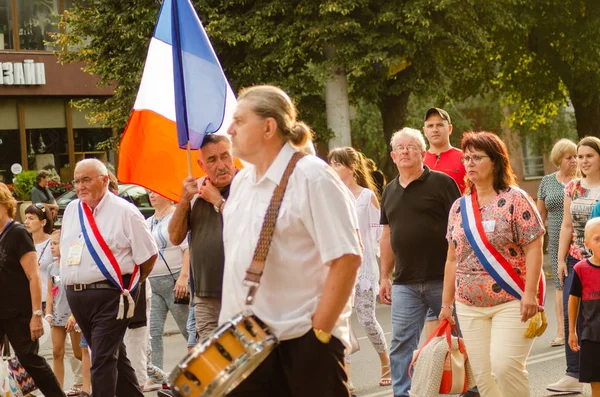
(451, 238)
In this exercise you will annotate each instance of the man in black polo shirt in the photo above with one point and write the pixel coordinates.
(199, 211)
(414, 214)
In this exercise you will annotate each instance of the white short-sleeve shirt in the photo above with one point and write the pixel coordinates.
(170, 256)
(123, 228)
(316, 224)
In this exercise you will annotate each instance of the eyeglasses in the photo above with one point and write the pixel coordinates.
(41, 207)
(86, 180)
(410, 148)
(475, 157)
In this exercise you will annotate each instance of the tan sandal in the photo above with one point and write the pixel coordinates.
(557, 342)
(386, 379)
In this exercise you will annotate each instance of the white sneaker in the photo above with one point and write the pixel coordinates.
(566, 384)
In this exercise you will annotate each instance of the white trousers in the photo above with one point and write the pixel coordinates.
(136, 342)
(497, 348)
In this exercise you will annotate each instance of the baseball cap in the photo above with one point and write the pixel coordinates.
(443, 114)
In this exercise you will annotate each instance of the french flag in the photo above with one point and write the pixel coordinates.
(183, 96)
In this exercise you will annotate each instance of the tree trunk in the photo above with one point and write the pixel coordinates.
(337, 105)
(338, 110)
(587, 112)
(394, 112)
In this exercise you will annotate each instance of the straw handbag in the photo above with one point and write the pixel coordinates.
(441, 365)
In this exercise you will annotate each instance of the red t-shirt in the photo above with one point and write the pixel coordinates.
(448, 162)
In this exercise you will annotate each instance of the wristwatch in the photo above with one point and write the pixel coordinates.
(38, 313)
(322, 336)
(219, 204)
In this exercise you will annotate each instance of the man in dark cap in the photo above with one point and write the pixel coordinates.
(441, 156)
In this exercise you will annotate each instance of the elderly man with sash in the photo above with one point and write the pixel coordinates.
(106, 251)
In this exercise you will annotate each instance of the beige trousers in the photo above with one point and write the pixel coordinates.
(497, 348)
(207, 312)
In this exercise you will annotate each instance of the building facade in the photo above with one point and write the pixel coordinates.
(38, 124)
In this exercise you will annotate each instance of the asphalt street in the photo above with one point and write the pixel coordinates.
(545, 365)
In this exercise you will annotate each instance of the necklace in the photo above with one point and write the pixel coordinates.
(159, 216)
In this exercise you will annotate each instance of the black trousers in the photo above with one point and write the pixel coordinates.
(26, 350)
(96, 312)
(297, 368)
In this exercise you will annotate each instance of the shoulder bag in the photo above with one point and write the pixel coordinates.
(441, 365)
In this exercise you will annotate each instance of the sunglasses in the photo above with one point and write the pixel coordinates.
(40, 207)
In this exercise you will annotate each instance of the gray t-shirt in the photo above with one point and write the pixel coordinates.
(60, 307)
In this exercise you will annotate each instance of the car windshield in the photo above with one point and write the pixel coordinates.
(67, 197)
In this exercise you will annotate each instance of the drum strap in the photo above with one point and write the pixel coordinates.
(255, 271)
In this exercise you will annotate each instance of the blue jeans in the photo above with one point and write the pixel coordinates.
(572, 357)
(191, 326)
(409, 309)
(163, 298)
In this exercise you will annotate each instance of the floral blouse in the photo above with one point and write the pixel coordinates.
(516, 223)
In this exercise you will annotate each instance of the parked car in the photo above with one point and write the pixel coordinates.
(135, 194)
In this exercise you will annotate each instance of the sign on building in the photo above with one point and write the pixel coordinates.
(22, 73)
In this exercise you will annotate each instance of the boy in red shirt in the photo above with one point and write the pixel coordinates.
(585, 296)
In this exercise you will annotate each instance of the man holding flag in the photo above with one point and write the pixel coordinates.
(183, 96)
(199, 212)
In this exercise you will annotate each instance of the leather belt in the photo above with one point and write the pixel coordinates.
(97, 285)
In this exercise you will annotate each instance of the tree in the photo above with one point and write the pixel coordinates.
(281, 42)
(110, 39)
(547, 54)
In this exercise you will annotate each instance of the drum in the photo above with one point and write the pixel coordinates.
(218, 364)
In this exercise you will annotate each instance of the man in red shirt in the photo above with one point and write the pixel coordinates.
(441, 156)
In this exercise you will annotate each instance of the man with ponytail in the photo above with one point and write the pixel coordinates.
(314, 254)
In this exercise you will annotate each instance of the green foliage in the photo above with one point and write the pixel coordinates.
(548, 53)
(472, 57)
(367, 132)
(23, 184)
(560, 126)
(111, 38)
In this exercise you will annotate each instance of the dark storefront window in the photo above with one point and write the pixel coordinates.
(37, 19)
(6, 25)
(45, 146)
(10, 142)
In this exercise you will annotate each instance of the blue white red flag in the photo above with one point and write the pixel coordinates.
(183, 96)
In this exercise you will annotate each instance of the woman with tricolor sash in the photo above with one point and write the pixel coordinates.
(494, 268)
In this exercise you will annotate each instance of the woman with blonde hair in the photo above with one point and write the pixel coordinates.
(550, 205)
(350, 165)
(581, 195)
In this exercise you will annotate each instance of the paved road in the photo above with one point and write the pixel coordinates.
(546, 364)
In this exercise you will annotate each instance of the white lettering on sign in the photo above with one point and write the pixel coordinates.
(26, 73)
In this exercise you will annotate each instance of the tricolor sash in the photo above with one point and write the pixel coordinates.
(105, 260)
(492, 260)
